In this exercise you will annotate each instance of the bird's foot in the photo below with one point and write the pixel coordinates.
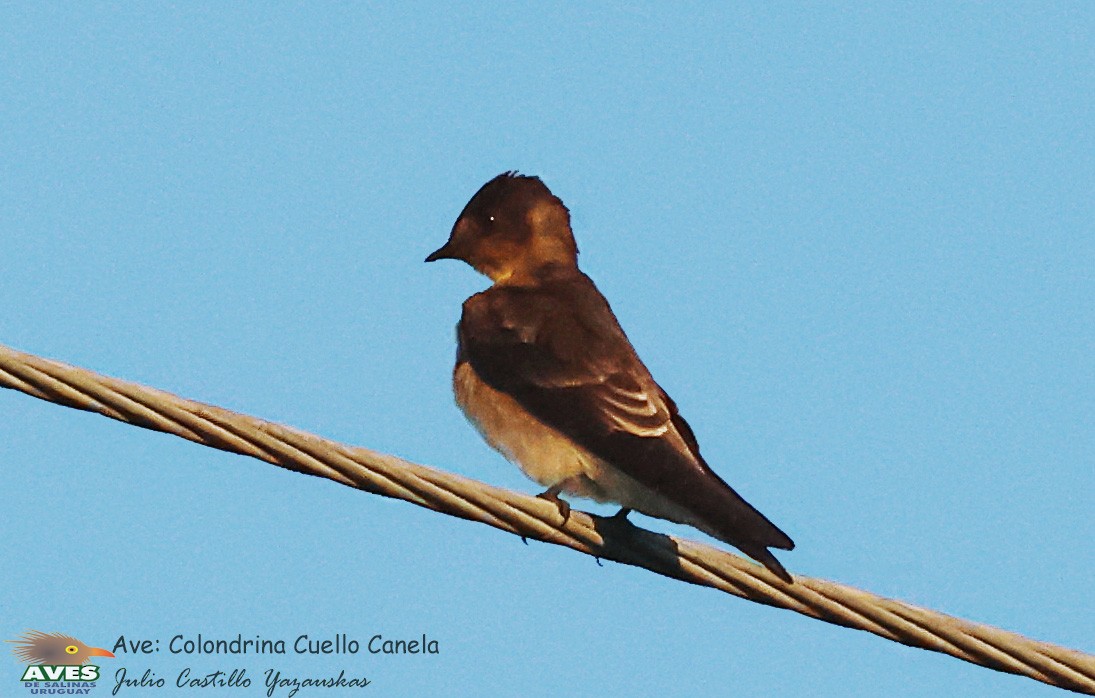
(551, 494)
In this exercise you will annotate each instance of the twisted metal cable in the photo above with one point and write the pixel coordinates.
(532, 517)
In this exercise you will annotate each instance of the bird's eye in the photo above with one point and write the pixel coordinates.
(72, 649)
(490, 226)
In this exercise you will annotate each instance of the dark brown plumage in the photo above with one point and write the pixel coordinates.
(550, 379)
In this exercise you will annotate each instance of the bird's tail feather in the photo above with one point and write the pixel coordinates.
(766, 558)
(744, 527)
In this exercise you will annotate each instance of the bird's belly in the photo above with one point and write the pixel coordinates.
(542, 453)
(549, 457)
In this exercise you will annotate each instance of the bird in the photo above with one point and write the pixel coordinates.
(547, 376)
(36, 647)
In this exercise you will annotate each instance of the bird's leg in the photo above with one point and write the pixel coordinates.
(551, 494)
(620, 519)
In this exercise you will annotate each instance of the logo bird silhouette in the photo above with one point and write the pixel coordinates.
(36, 647)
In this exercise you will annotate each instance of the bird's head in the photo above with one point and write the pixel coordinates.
(55, 648)
(513, 227)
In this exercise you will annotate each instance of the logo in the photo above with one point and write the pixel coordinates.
(56, 660)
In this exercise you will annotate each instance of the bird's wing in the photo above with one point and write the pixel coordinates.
(560, 353)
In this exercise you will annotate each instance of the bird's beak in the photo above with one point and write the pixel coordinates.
(99, 652)
(443, 252)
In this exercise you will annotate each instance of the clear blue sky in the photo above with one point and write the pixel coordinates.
(855, 245)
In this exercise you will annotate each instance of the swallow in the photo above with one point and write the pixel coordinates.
(548, 377)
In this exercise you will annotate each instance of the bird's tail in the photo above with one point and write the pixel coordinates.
(741, 525)
(765, 557)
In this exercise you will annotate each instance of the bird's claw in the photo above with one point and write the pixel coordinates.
(552, 495)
